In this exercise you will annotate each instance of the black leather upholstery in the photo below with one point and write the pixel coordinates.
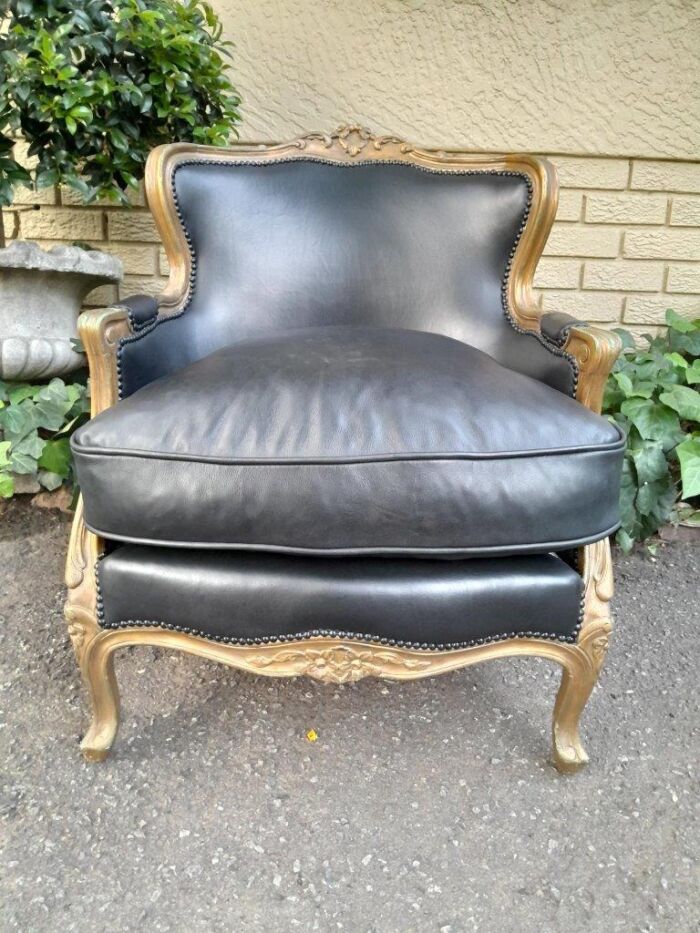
(302, 243)
(351, 439)
(555, 325)
(142, 310)
(253, 596)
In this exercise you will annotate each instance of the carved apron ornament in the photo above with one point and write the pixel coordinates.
(340, 664)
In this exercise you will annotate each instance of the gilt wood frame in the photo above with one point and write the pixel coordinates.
(334, 660)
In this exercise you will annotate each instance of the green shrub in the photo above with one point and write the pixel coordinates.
(36, 422)
(651, 396)
(93, 86)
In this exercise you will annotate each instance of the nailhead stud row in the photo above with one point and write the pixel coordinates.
(551, 346)
(328, 633)
(331, 633)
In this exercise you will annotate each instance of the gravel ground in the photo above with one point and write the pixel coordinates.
(427, 806)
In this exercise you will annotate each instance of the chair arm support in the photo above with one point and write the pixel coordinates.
(595, 351)
(101, 330)
(555, 326)
(141, 309)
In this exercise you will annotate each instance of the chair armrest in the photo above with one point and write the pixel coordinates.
(101, 330)
(141, 309)
(593, 349)
(555, 326)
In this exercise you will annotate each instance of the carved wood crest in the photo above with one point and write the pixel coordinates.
(352, 139)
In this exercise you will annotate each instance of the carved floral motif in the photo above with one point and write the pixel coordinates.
(353, 139)
(599, 648)
(76, 630)
(338, 664)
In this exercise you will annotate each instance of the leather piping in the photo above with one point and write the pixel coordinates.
(139, 454)
(533, 547)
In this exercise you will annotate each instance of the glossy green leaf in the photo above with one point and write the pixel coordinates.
(678, 323)
(19, 392)
(50, 480)
(7, 485)
(35, 430)
(689, 458)
(628, 494)
(31, 445)
(650, 462)
(654, 422)
(692, 373)
(688, 343)
(684, 400)
(676, 360)
(625, 540)
(656, 500)
(628, 342)
(23, 463)
(650, 396)
(56, 457)
(624, 382)
(17, 421)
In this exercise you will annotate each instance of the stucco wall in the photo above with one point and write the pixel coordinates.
(603, 77)
(610, 89)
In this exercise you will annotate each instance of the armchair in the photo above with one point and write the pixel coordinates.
(344, 441)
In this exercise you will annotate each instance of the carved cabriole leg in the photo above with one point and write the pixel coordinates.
(83, 628)
(101, 330)
(595, 351)
(579, 679)
(98, 670)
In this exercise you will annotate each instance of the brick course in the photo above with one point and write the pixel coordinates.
(625, 245)
(619, 208)
(684, 278)
(685, 212)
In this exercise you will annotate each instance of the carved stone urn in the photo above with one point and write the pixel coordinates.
(41, 292)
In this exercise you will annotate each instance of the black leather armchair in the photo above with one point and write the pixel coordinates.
(344, 442)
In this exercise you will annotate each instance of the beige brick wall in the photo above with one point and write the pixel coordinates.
(626, 242)
(625, 245)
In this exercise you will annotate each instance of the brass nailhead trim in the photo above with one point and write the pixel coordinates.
(329, 633)
(549, 345)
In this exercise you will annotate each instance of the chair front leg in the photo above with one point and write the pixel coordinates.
(98, 671)
(82, 615)
(592, 645)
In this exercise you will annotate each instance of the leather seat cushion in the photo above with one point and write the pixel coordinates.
(348, 440)
(245, 596)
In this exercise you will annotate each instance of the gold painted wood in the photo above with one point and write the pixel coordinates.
(595, 351)
(332, 660)
(100, 331)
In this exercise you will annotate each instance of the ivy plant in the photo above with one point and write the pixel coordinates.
(652, 395)
(36, 422)
(93, 86)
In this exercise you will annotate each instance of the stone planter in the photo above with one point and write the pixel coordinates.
(41, 292)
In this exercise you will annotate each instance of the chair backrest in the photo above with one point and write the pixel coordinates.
(346, 229)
